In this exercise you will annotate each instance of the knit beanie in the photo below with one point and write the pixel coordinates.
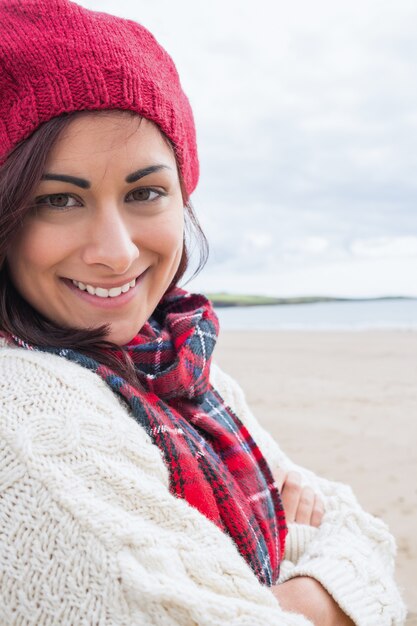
(57, 57)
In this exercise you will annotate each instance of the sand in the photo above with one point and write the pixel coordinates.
(344, 405)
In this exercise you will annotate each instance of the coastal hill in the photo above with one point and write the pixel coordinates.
(223, 299)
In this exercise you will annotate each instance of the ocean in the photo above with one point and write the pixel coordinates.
(345, 316)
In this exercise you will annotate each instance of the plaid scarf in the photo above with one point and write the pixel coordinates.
(213, 461)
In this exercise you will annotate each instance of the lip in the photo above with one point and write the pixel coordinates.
(106, 303)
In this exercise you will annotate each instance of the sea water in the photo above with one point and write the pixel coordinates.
(352, 315)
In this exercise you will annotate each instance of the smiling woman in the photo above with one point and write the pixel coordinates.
(136, 487)
(105, 146)
(96, 229)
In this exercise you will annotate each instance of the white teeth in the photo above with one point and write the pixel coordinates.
(100, 292)
(115, 291)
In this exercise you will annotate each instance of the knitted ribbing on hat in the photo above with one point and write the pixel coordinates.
(213, 461)
(57, 57)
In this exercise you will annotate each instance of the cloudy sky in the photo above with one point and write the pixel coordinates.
(306, 116)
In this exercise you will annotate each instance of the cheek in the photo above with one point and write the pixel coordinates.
(174, 243)
(34, 251)
(164, 237)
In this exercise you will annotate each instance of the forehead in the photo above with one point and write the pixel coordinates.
(110, 139)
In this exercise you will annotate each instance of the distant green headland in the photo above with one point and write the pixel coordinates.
(223, 299)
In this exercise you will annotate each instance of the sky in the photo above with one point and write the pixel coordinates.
(306, 116)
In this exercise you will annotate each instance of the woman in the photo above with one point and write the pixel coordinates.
(136, 486)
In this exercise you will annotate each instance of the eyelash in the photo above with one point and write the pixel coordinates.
(43, 200)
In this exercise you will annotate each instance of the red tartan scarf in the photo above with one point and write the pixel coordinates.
(213, 461)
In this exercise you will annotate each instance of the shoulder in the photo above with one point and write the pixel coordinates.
(228, 388)
(22, 367)
(34, 372)
(47, 383)
(234, 396)
(50, 406)
(39, 391)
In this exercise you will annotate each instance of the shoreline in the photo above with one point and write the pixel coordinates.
(352, 395)
(226, 300)
(392, 315)
(325, 329)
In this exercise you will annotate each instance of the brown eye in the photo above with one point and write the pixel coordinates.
(145, 194)
(58, 201)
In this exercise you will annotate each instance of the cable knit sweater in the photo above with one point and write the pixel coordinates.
(91, 535)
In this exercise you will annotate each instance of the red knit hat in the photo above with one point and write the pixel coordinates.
(57, 57)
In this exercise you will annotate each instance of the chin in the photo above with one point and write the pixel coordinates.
(121, 339)
(122, 336)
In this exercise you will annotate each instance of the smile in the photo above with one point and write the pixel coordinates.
(114, 292)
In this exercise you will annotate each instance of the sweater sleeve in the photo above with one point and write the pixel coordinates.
(351, 554)
(89, 533)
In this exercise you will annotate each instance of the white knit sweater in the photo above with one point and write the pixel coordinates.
(90, 534)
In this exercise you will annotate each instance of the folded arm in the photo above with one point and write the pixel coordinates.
(351, 553)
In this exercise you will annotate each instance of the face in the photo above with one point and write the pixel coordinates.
(105, 238)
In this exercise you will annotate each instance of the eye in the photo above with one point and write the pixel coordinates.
(58, 201)
(145, 194)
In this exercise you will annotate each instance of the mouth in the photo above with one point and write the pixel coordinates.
(102, 292)
(108, 296)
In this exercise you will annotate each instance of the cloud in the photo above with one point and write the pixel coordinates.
(307, 128)
(311, 246)
(355, 278)
(385, 247)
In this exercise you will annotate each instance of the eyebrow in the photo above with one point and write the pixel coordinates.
(74, 180)
(132, 178)
(86, 184)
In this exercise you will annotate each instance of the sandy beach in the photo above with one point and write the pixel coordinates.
(344, 405)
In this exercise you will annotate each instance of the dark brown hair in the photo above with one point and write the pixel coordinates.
(19, 176)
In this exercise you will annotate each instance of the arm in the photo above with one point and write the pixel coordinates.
(307, 596)
(303, 594)
(351, 554)
(89, 530)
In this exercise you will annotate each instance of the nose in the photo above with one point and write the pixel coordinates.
(110, 242)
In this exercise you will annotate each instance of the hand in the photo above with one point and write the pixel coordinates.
(300, 504)
(307, 597)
